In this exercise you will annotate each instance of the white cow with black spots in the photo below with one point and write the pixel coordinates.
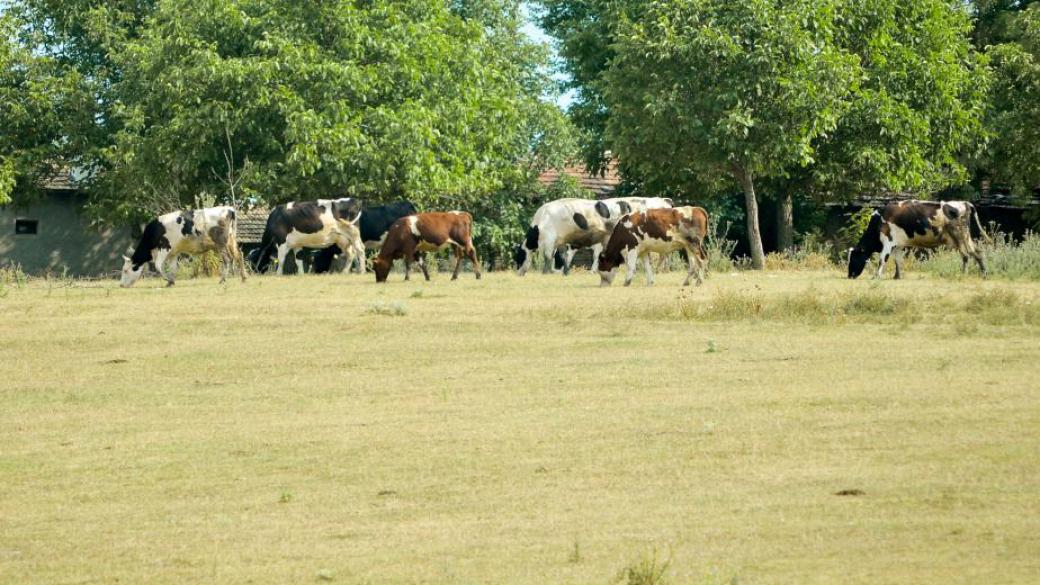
(311, 224)
(184, 232)
(562, 227)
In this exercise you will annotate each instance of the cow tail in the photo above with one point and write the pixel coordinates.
(977, 224)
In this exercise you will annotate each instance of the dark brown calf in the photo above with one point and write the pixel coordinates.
(412, 236)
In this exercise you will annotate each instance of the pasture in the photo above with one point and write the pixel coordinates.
(770, 427)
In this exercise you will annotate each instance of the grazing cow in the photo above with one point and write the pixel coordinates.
(375, 223)
(572, 224)
(412, 236)
(656, 230)
(917, 224)
(310, 224)
(561, 228)
(185, 232)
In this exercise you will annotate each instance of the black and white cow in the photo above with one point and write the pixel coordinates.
(375, 223)
(184, 232)
(310, 224)
(917, 224)
(562, 227)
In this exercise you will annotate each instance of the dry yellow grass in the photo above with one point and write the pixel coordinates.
(536, 430)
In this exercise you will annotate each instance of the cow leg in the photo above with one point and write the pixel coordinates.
(886, 251)
(422, 264)
(980, 259)
(648, 267)
(283, 253)
(692, 267)
(159, 260)
(547, 244)
(236, 257)
(225, 265)
(471, 252)
(897, 257)
(549, 252)
(299, 261)
(458, 261)
(359, 251)
(597, 249)
(171, 271)
(697, 258)
(568, 258)
(630, 266)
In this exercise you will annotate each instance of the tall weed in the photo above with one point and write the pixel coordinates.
(1005, 258)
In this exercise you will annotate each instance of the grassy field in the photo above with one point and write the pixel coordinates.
(779, 427)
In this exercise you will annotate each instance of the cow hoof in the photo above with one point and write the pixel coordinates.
(169, 284)
(478, 276)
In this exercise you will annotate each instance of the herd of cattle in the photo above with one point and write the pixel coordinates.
(620, 231)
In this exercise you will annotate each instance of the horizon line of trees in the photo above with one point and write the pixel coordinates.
(449, 103)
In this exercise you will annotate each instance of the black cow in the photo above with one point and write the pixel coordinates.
(917, 224)
(375, 223)
(310, 224)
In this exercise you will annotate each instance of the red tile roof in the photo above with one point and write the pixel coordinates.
(600, 185)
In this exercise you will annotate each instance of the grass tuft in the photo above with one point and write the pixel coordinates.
(647, 571)
(575, 555)
(874, 302)
(394, 309)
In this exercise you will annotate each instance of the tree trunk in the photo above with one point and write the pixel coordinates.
(758, 256)
(785, 223)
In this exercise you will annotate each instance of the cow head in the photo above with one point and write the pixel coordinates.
(347, 210)
(130, 273)
(857, 261)
(520, 255)
(381, 267)
(525, 250)
(869, 243)
(608, 268)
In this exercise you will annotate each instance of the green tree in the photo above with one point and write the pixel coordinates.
(727, 89)
(440, 102)
(44, 113)
(1014, 117)
(836, 98)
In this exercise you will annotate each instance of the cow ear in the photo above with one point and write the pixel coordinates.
(126, 258)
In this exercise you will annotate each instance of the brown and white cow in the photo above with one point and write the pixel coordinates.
(917, 224)
(412, 236)
(656, 230)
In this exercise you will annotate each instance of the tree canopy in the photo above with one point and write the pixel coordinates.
(828, 98)
(434, 101)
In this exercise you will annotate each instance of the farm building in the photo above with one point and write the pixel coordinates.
(53, 235)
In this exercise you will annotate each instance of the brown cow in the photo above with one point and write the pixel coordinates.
(412, 236)
(656, 230)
